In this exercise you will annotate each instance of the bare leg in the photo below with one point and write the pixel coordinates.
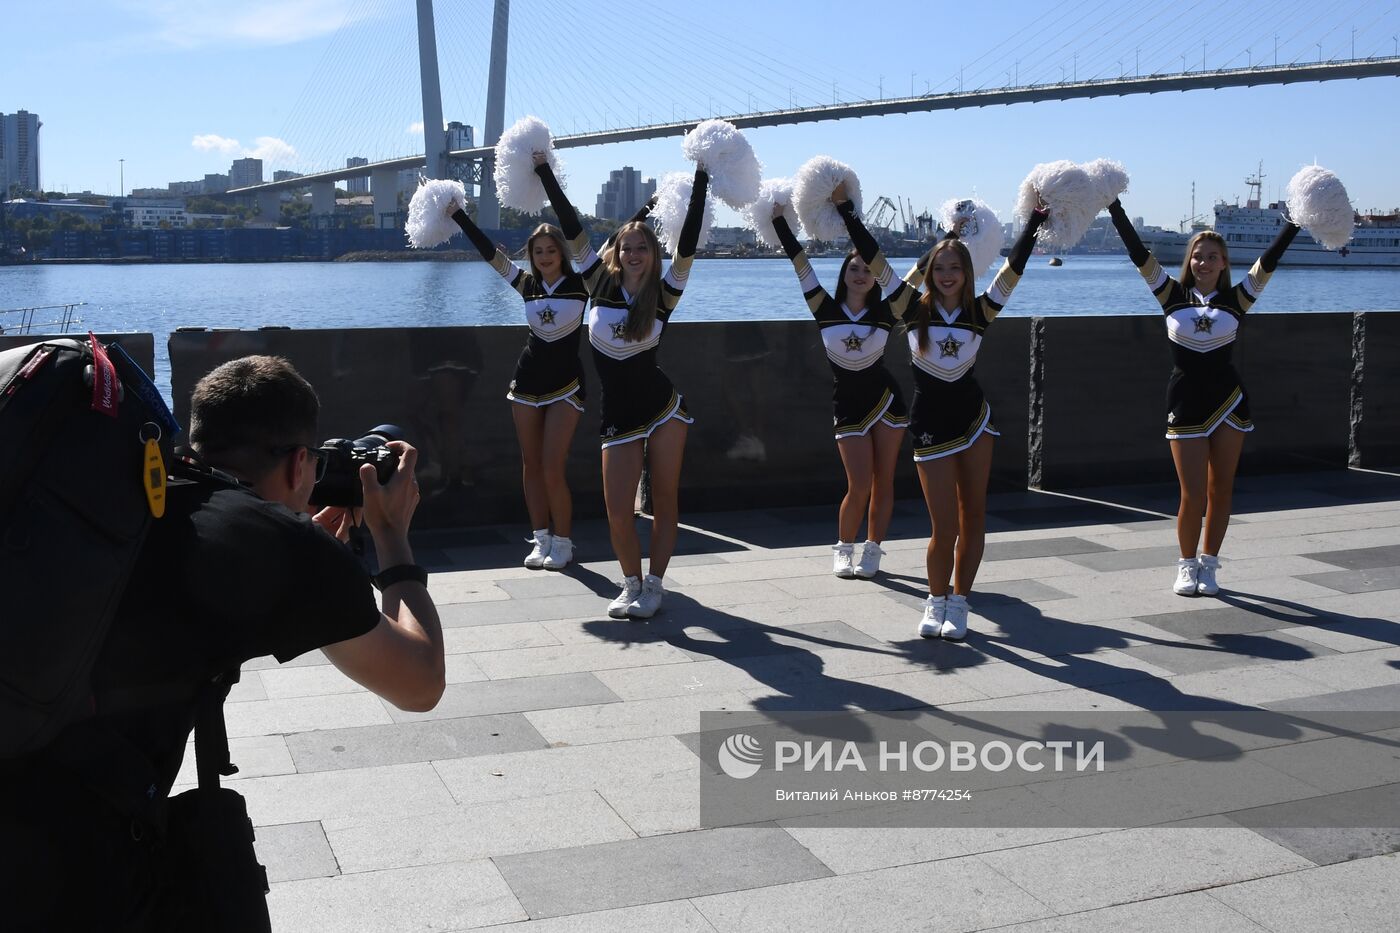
(939, 481)
(886, 449)
(974, 466)
(858, 457)
(529, 430)
(1225, 446)
(1191, 457)
(622, 470)
(665, 451)
(560, 420)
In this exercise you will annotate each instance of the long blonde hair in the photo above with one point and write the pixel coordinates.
(923, 308)
(555, 234)
(1188, 278)
(641, 314)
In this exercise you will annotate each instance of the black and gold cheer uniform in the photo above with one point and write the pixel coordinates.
(637, 397)
(1204, 390)
(863, 391)
(548, 370)
(949, 411)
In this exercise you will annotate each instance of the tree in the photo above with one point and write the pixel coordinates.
(233, 223)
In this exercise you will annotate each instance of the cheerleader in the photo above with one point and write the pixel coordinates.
(870, 416)
(644, 417)
(950, 420)
(1204, 393)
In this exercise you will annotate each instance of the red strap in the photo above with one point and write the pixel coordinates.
(106, 387)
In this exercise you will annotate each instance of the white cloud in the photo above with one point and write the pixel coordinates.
(212, 142)
(198, 23)
(415, 128)
(272, 149)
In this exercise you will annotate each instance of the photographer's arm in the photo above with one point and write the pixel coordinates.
(401, 658)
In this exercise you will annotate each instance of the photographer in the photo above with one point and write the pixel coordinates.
(234, 570)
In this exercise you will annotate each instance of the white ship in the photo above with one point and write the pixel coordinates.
(1249, 230)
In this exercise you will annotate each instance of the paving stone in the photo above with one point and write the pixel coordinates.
(1355, 670)
(379, 793)
(513, 695)
(564, 768)
(255, 756)
(660, 868)
(1098, 871)
(1127, 560)
(465, 833)
(524, 610)
(474, 638)
(1365, 580)
(634, 719)
(566, 659)
(401, 743)
(665, 680)
(249, 687)
(1328, 846)
(669, 804)
(293, 851)
(1228, 620)
(1357, 895)
(754, 641)
(301, 714)
(671, 916)
(1041, 547)
(1194, 911)
(461, 669)
(1227, 651)
(1021, 591)
(954, 894)
(1367, 558)
(436, 897)
(545, 583)
(321, 680)
(1383, 698)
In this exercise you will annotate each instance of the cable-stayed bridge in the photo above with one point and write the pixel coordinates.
(474, 164)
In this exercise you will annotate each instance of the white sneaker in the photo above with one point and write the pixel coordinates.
(955, 621)
(1205, 575)
(1187, 577)
(935, 611)
(535, 559)
(869, 563)
(561, 553)
(631, 589)
(649, 600)
(841, 563)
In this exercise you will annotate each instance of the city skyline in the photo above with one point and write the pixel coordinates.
(172, 129)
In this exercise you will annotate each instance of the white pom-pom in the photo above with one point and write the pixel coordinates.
(1110, 179)
(1318, 201)
(672, 202)
(517, 185)
(1071, 196)
(735, 172)
(811, 194)
(759, 214)
(430, 212)
(977, 227)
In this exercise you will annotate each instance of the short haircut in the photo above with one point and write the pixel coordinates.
(247, 412)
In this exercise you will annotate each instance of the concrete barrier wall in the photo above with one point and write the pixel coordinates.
(1377, 410)
(1096, 385)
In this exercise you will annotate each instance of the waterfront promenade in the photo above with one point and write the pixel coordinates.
(555, 787)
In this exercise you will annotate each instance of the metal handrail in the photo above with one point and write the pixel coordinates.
(27, 323)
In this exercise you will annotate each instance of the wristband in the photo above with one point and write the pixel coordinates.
(399, 573)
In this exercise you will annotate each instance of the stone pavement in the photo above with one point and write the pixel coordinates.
(551, 789)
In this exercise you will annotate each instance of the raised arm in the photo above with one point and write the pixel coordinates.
(896, 292)
(999, 292)
(812, 289)
(1137, 252)
(568, 217)
(673, 282)
(1247, 291)
(516, 276)
(640, 217)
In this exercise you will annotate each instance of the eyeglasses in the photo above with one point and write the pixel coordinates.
(322, 457)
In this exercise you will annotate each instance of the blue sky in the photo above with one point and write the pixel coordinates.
(178, 88)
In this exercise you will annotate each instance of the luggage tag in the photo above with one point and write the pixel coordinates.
(153, 470)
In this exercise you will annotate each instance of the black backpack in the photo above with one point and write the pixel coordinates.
(75, 418)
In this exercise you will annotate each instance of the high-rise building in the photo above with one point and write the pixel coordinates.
(214, 184)
(245, 172)
(283, 174)
(624, 193)
(359, 185)
(19, 150)
(459, 136)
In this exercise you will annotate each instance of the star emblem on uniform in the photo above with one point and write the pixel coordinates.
(1202, 323)
(1171, 417)
(926, 438)
(611, 431)
(619, 330)
(547, 317)
(949, 346)
(853, 342)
